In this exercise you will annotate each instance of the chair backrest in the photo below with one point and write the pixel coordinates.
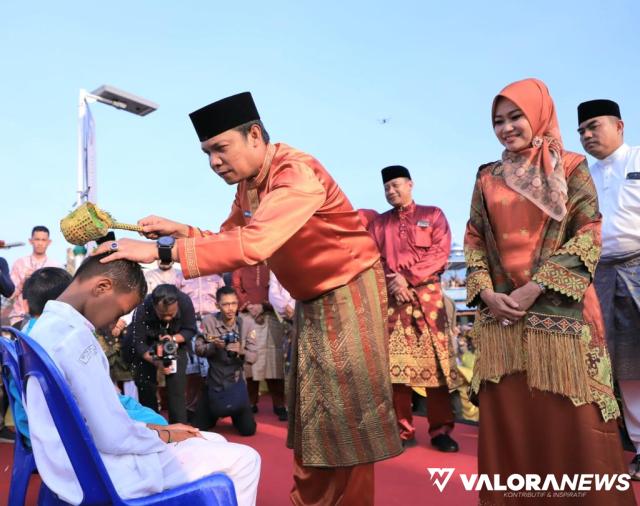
(11, 374)
(34, 363)
(10, 368)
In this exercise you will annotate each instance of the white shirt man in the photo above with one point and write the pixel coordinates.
(619, 200)
(159, 276)
(616, 175)
(139, 463)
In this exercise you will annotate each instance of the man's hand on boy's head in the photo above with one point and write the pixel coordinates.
(144, 252)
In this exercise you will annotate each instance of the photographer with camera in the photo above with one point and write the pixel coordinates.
(228, 343)
(162, 329)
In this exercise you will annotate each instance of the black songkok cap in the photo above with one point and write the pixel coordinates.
(394, 171)
(224, 115)
(595, 108)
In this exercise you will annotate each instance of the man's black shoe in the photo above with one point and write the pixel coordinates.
(409, 443)
(444, 443)
(282, 413)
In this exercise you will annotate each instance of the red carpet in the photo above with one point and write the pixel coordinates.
(401, 481)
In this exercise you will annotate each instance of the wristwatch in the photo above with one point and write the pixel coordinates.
(165, 245)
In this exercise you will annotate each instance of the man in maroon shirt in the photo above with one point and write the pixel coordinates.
(414, 243)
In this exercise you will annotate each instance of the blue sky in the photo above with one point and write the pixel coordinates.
(322, 74)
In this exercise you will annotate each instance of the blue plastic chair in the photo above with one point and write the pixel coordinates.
(24, 464)
(97, 488)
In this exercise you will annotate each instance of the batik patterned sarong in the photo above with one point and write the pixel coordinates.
(420, 349)
(340, 399)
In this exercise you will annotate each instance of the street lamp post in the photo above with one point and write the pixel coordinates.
(114, 97)
(86, 145)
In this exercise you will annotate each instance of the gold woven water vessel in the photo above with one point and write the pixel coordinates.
(89, 223)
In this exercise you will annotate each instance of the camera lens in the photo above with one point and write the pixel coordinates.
(169, 348)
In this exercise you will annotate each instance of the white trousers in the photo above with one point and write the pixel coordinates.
(630, 390)
(195, 458)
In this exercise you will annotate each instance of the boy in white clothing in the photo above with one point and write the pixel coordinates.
(140, 459)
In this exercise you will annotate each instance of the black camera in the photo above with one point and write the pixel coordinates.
(169, 351)
(228, 338)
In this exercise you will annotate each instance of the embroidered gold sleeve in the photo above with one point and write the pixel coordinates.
(475, 253)
(475, 258)
(585, 248)
(477, 281)
(556, 277)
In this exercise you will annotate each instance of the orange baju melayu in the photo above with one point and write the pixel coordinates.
(294, 216)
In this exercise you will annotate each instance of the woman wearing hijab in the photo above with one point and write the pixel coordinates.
(542, 371)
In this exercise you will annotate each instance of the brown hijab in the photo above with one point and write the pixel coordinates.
(536, 172)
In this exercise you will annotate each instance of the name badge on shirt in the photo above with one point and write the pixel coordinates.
(423, 223)
(247, 214)
(633, 175)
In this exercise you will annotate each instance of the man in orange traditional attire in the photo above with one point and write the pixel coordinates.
(289, 210)
(414, 242)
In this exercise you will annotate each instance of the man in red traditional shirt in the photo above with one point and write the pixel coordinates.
(251, 283)
(289, 210)
(414, 243)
